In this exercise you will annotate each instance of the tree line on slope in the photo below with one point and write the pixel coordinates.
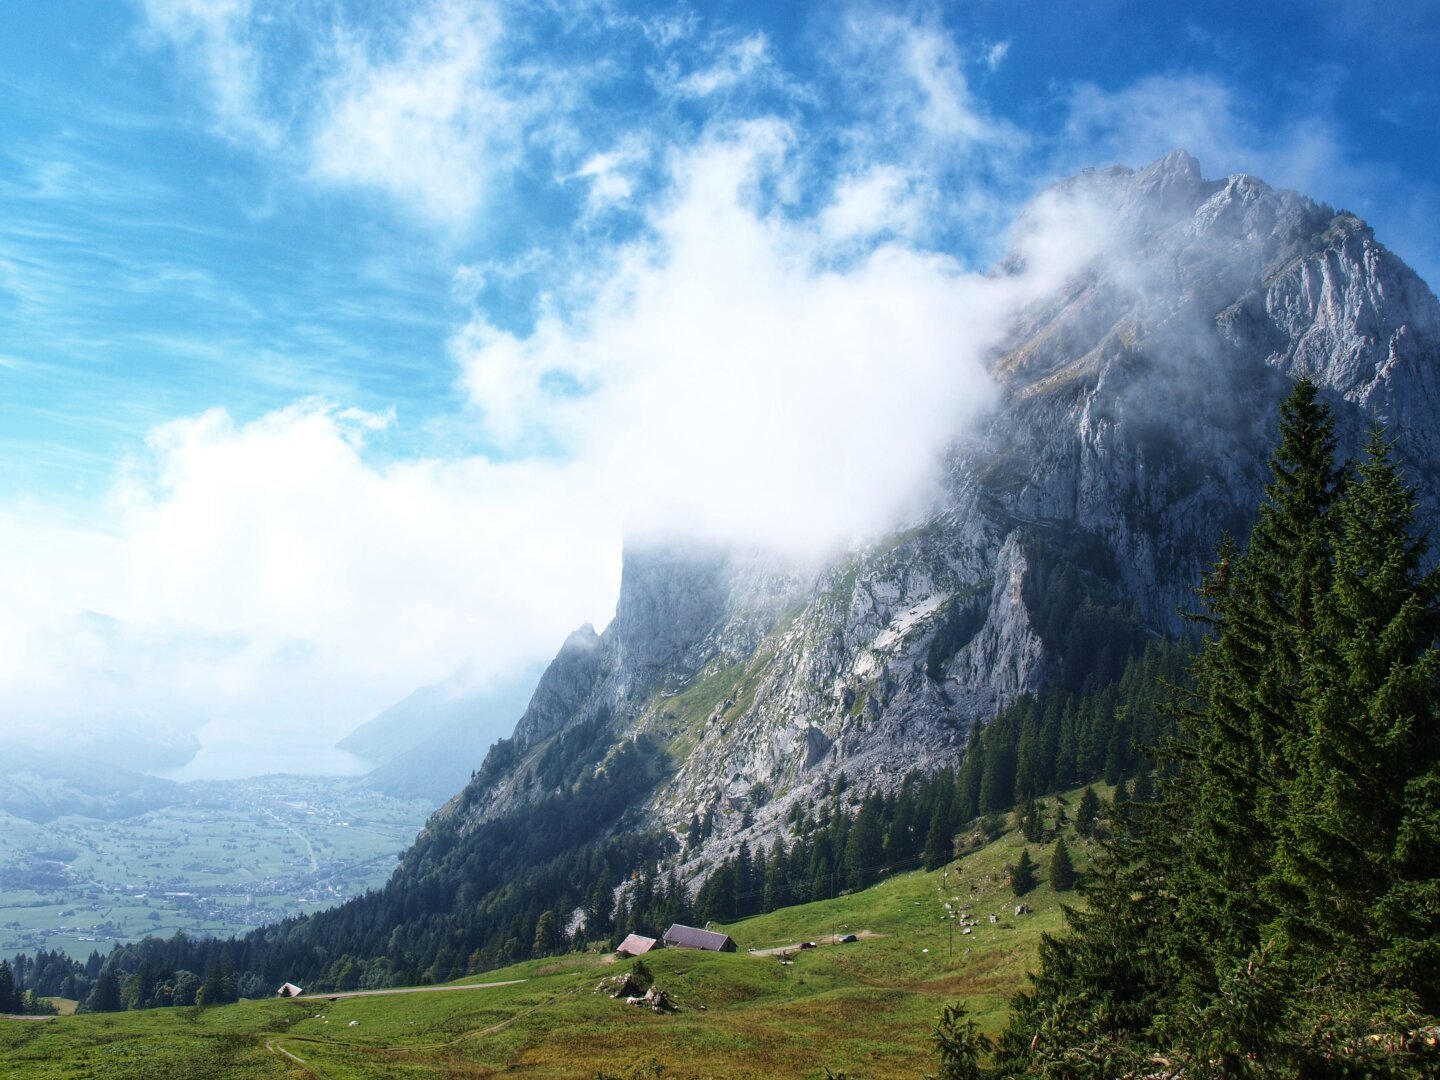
(1034, 747)
(1275, 912)
(506, 892)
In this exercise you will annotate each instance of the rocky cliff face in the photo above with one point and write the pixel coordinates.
(1137, 410)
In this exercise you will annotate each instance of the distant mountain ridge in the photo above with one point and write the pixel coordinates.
(426, 745)
(43, 785)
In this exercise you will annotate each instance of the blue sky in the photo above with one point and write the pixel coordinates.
(342, 342)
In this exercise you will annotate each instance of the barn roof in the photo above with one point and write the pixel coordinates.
(636, 944)
(691, 937)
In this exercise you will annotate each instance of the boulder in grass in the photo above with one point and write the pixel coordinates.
(621, 986)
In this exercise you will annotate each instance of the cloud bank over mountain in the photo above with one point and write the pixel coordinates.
(505, 285)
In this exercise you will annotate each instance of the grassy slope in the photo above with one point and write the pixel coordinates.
(866, 1008)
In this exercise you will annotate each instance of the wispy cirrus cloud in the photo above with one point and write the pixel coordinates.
(737, 64)
(613, 175)
(912, 76)
(421, 118)
(215, 39)
(426, 106)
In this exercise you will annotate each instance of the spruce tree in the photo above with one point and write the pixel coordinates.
(1242, 741)
(1370, 741)
(105, 995)
(938, 849)
(972, 773)
(1276, 909)
(1098, 982)
(1062, 870)
(864, 846)
(997, 781)
(1023, 878)
(1032, 821)
(777, 882)
(960, 1044)
(1087, 811)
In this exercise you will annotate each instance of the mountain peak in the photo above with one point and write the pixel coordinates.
(583, 639)
(1173, 181)
(1134, 422)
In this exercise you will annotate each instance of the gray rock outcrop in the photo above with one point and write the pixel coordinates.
(1136, 413)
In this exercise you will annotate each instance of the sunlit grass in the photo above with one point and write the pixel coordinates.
(866, 1008)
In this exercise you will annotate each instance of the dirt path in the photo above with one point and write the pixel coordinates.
(275, 1048)
(274, 1045)
(412, 990)
(824, 939)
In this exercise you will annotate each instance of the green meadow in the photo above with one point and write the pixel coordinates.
(864, 1008)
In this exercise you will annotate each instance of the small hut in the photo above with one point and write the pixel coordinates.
(637, 945)
(289, 990)
(692, 937)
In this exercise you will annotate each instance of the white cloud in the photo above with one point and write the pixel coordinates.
(267, 575)
(746, 379)
(880, 200)
(611, 174)
(422, 120)
(740, 63)
(282, 521)
(744, 371)
(211, 37)
(995, 55)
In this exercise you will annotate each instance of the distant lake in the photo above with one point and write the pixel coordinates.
(227, 754)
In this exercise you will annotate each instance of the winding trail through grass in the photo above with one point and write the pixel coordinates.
(413, 990)
(274, 1045)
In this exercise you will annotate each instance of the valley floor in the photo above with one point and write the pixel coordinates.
(225, 857)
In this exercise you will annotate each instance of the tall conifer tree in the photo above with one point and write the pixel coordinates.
(1276, 910)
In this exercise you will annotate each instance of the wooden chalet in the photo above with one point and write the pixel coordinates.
(289, 990)
(637, 945)
(692, 937)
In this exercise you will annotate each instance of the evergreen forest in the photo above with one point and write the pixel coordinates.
(1275, 910)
